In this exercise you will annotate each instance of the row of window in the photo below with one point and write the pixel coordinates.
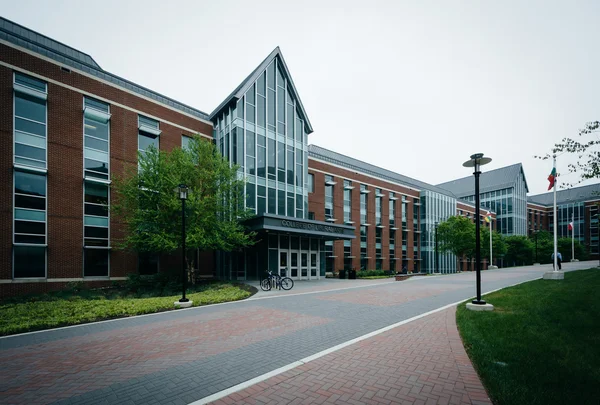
(30, 179)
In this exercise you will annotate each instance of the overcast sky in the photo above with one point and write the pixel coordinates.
(414, 87)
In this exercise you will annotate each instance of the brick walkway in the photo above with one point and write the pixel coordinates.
(421, 362)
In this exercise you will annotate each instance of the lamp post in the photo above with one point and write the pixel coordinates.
(182, 190)
(476, 161)
(437, 262)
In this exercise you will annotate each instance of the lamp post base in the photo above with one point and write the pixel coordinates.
(479, 306)
(574, 260)
(185, 304)
(554, 275)
(492, 267)
(537, 264)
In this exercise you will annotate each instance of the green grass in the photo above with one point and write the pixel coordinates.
(74, 307)
(541, 344)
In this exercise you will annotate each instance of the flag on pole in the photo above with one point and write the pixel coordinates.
(552, 178)
(570, 226)
(488, 217)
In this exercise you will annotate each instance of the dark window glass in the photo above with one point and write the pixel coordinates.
(271, 107)
(30, 107)
(30, 127)
(290, 121)
(250, 97)
(96, 144)
(272, 200)
(271, 158)
(234, 146)
(96, 166)
(280, 81)
(29, 261)
(95, 263)
(251, 162)
(96, 242)
(271, 75)
(280, 105)
(240, 108)
(96, 193)
(290, 167)
(38, 228)
(34, 203)
(261, 162)
(250, 113)
(30, 82)
(250, 195)
(281, 202)
(262, 191)
(29, 183)
(96, 210)
(261, 84)
(250, 144)
(40, 240)
(96, 129)
(261, 206)
(30, 152)
(240, 147)
(145, 141)
(290, 205)
(260, 111)
(95, 232)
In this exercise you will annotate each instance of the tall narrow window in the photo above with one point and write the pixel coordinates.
(348, 201)
(329, 183)
(363, 203)
(311, 183)
(148, 133)
(96, 139)
(378, 198)
(29, 214)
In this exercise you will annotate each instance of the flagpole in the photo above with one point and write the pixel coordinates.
(573, 235)
(554, 208)
(491, 255)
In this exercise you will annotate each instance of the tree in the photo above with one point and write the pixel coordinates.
(520, 250)
(587, 151)
(457, 235)
(151, 210)
(499, 246)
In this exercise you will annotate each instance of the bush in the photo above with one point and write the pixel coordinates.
(371, 273)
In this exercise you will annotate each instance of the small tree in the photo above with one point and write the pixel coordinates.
(151, 210)
(499, 247)
(457, 235)
(520, 250)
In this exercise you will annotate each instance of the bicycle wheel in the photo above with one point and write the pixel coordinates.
(265, 284)
(287, 283)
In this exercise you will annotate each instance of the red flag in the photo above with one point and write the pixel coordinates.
(552, 178)
(570, 226)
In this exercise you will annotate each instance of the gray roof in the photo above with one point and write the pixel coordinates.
(41, 44)
(372, 170)
(497, 179)
(248, 81)
(569, 196)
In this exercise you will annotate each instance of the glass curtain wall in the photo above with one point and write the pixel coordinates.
(435, 208)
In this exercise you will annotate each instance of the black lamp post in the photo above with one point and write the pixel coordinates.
(182, 189)
(536, 256)
(477, 160)
(437, 263)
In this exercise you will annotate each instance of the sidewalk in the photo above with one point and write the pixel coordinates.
(421, 362)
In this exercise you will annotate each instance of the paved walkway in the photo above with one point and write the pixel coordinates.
(183, 356)
(422, 362)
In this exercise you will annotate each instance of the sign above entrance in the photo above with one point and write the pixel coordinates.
(302, 227)
(311, 227)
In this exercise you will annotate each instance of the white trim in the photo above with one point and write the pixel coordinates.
(95, 114)
(111, 102)
(148, 129)
(72, 69)
(19, 88)
(364, 174)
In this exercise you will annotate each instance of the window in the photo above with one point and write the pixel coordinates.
(347, 201)
(311, 183)
(30, 121)
(96, 230)
(378, 208)
(363, 203)
(185, 142)
(29, 225)
(148, 132)
(96, 140)
(329, 197)
(392, 210)
(30, 185)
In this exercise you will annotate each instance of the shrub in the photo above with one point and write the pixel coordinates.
(371, 273)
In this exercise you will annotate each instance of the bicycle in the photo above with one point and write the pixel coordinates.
(277, 281)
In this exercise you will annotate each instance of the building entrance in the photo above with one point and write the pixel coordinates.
(299, 264)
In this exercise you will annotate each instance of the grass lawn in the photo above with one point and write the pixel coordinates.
(76, 306)
(541, 344)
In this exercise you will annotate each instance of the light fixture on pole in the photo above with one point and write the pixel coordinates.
(476, 161)
(182, 190)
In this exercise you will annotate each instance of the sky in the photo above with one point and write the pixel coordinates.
(411, 86)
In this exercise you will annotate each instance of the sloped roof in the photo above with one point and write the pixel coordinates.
(252, 77)
(504, 177)
(569, 196)
(369, 169)
(41, 44)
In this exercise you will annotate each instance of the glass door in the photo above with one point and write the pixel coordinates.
(304, 266)
(313, 265)
(283, 263)
(294, 265)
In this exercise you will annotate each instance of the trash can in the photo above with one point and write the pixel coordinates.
(342, 274)
(352, 274)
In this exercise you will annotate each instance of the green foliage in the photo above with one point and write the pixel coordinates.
(586, 150)
(457, 235)
(540, 344)
(520, 251)
(71, 307)
(545, 247)
(499, 245)
(150, 209)
(371, 273)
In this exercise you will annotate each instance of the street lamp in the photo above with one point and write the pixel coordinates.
(182, 190)
(437, 263)
(476, 161)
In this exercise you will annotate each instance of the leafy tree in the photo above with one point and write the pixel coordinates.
(499, 246)
(545, 242)
(457, 235)
(520, 251)
(566, 250)
(147, 204)
(587, 150)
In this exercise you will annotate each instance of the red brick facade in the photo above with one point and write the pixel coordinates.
(66, 92)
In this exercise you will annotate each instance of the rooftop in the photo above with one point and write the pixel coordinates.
(497, 179)
(569, 196)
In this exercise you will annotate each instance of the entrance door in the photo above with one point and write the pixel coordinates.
(283, 263)
(313, 265)
(293, 265)
(304, 266)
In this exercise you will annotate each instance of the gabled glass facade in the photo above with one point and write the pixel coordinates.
(435, 208)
